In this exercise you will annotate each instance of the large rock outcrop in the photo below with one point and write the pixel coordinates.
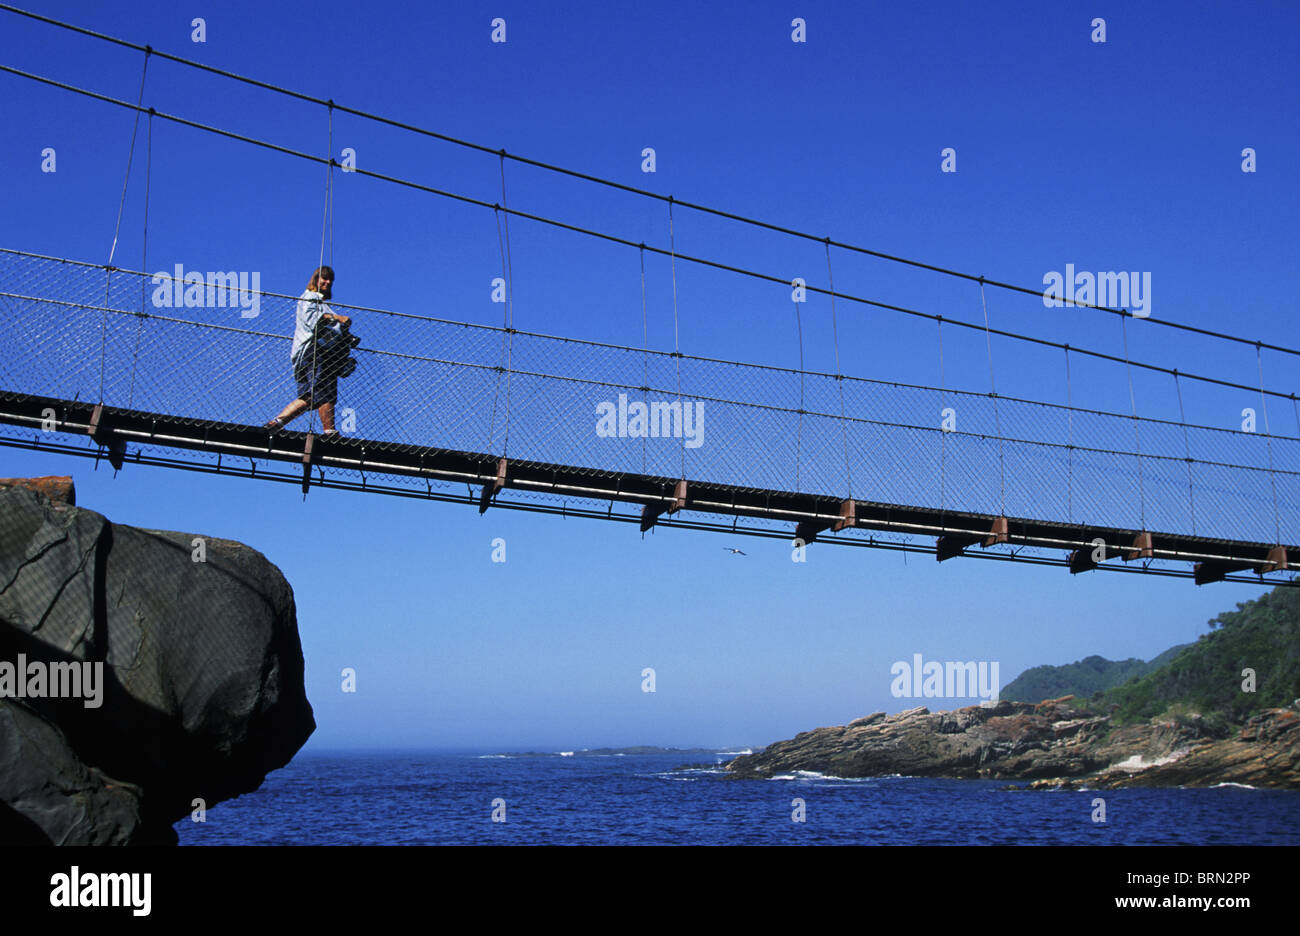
(1264, 753)
(202, 679)
(1054, 743)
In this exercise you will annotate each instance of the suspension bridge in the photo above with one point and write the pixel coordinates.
(134, 368)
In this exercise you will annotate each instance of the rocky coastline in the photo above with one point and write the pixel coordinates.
(1053, 744)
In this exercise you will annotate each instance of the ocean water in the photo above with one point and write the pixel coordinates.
(403, 798)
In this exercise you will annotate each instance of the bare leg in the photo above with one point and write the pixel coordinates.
(327, 416)
(290, 411)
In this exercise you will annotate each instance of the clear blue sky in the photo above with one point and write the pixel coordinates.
(1117, 156)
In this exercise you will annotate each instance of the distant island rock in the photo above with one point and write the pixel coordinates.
(640, 749)
(201, 692)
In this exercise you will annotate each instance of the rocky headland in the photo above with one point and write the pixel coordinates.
(1221, 710)
(144, 674)
(1054, 743)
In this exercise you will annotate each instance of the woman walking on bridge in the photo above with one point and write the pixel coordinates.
(314, 370)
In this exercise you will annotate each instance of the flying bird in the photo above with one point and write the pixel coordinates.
(734, 550)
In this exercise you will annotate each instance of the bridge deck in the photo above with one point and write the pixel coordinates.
(809, 515)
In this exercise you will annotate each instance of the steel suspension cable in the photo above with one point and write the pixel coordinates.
(121, 204)
(731, 216)
(329, 178)
(331, 187)
(645, 357)
(1137, 434)
(1069, 458)
(135, 126)
(677, 347)
(505, 335)
(839, 377)
(510, 302)
(1268, 438)
(1187, 447)
(798, 437)
(629, 243)
(943, 436)
(144, 260)
(993, 392)
(325, 225)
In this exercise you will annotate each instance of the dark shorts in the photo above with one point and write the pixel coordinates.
(318, 384)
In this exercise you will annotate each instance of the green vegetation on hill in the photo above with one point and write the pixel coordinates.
(1167, 657)
(1082, 679)
(1261, 635)
(1204, 677)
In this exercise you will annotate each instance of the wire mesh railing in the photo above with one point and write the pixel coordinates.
(216, 350)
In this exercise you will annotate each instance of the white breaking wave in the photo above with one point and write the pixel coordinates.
(817, 775)
(1138, 762)
(689, 773)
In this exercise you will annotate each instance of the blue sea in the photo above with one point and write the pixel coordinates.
(404, 798)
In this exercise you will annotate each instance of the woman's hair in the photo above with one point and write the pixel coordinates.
(315, 277)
